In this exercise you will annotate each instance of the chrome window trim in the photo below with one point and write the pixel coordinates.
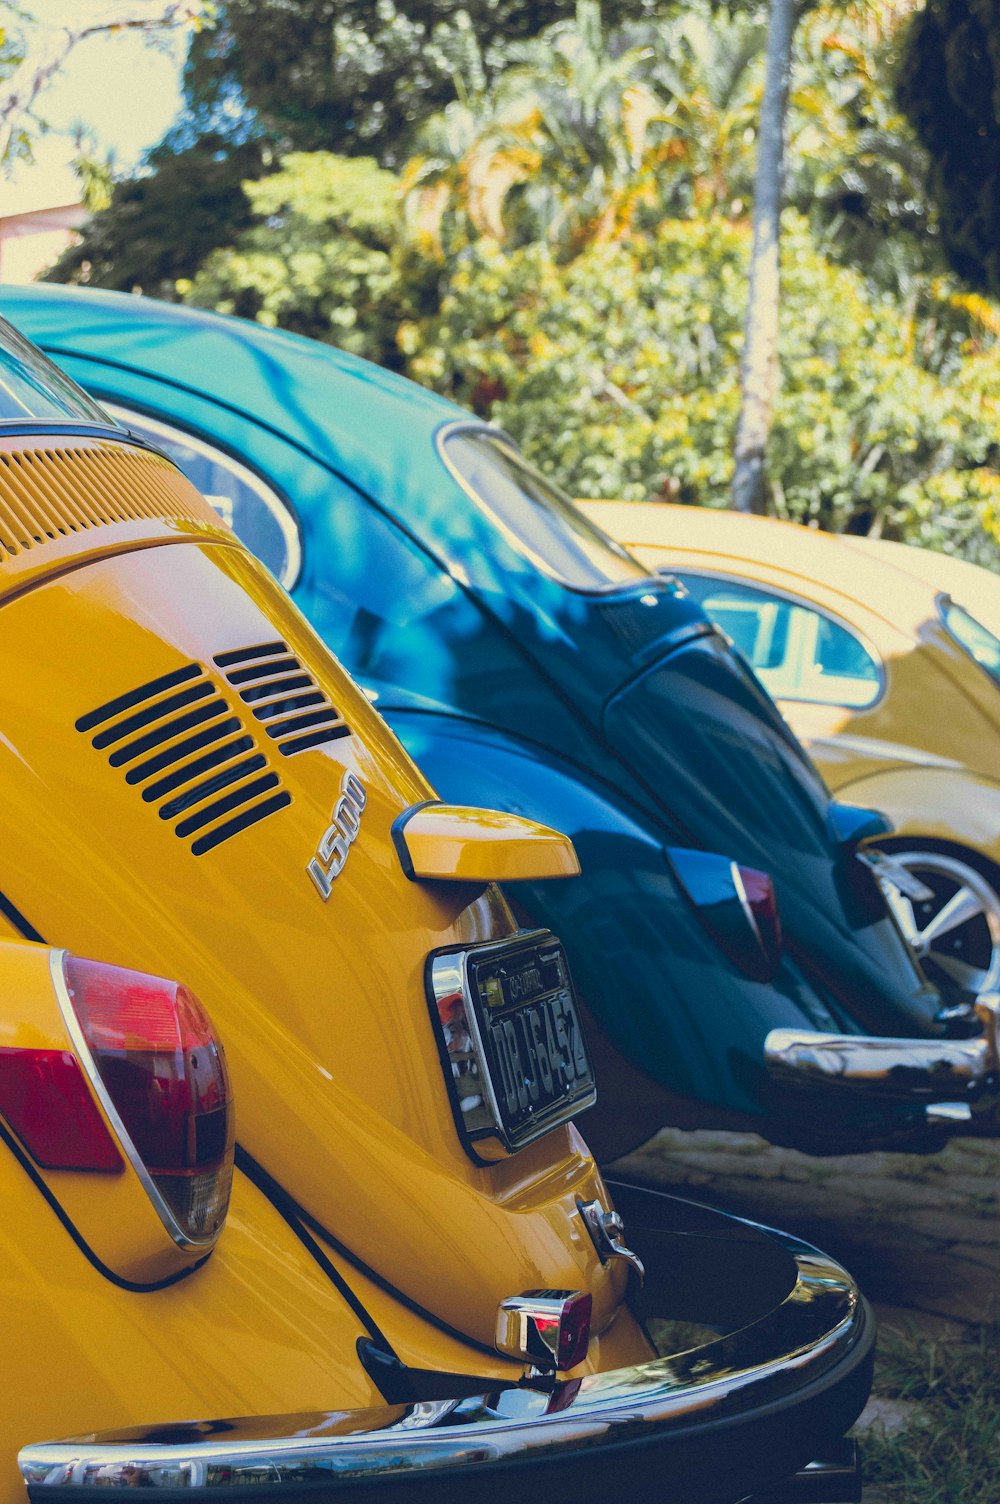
(73, 1028)
(516, 542)
(794, 599)
(209, 450)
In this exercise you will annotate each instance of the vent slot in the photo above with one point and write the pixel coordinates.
(178, 741)
(283, 696)
(52, 493)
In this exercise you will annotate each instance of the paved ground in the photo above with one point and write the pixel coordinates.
(919, 1233)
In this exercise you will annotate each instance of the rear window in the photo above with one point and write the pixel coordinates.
(536, 516)
(33, 389)
(976, 639)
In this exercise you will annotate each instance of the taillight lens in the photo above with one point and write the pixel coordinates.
(762, 901)
(737, 905)
(45, 1098)
(161, 1074)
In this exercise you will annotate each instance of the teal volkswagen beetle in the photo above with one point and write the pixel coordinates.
(730, 935)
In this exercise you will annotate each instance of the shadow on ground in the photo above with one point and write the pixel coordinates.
(920, 1236)
(919, 1233)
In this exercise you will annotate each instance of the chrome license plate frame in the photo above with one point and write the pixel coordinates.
(511, 1041)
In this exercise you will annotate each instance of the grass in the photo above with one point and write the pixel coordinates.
(950, 1452)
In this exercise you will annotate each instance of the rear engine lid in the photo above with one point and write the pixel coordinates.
(175, 743)
(703, 736)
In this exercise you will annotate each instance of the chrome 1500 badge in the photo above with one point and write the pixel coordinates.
(339, 836)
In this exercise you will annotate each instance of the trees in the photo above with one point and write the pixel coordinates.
(349, 75)
(569, 250)
(161, 224)
(30, 57)
(619, 373)
(323, 256)
(564, 148)
(949, 86)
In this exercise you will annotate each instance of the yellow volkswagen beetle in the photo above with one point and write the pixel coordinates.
(886, 662)
(293, 1196)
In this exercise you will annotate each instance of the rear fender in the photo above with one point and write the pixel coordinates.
(958, 808)
(258, 1327)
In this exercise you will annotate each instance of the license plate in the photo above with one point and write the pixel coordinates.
(513, 1048)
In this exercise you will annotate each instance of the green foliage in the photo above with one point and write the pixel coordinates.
(619, 373)
(855, 166)
(949, 86)
(593, 131)
(321, 257)
(161, 224)
(947, 1454)
(354, 75)
(16, 136)
(567, 252)
(563, 148)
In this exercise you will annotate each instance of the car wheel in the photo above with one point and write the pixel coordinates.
(956, 930)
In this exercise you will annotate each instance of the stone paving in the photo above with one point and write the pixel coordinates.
(920, 1233)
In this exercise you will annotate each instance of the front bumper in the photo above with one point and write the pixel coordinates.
(950, 1078)
(786, 1378)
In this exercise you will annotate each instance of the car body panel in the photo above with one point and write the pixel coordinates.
(462, 621)
(259, 1324)
(174, 744)
(145, 614)
(793, 1366)
(886, 593)
(950, 806)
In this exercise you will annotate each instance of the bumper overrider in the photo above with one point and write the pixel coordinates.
(787, 1375)
(954, 1080)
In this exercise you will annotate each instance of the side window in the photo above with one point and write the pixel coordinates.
(796, 652)
(255, 512)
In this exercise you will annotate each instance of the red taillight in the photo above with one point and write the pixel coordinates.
(45, 1098)
(548, 1328)
(762, 901)
(574, 1332)
(737, 905)
(161, 1074)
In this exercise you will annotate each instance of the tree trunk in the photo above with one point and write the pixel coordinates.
(759, 368)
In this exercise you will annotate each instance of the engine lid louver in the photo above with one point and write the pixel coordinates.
(50, 493)
(180, 744)
(283, 696)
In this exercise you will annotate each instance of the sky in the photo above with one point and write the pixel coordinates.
(126, 90)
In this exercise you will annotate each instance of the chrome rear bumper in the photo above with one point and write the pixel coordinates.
(939, 1073)
(715, 1422)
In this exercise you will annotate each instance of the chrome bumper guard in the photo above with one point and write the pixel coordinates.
(718, 1421)
(939, 1073)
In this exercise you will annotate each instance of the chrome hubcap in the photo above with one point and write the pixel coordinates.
(956, 931)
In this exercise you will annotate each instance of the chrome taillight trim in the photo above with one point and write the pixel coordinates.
(530, 1326)
(74, 1029)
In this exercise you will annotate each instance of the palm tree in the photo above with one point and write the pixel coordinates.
(759, 368)
(589, 132)
(707, 66)
(560, 150)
